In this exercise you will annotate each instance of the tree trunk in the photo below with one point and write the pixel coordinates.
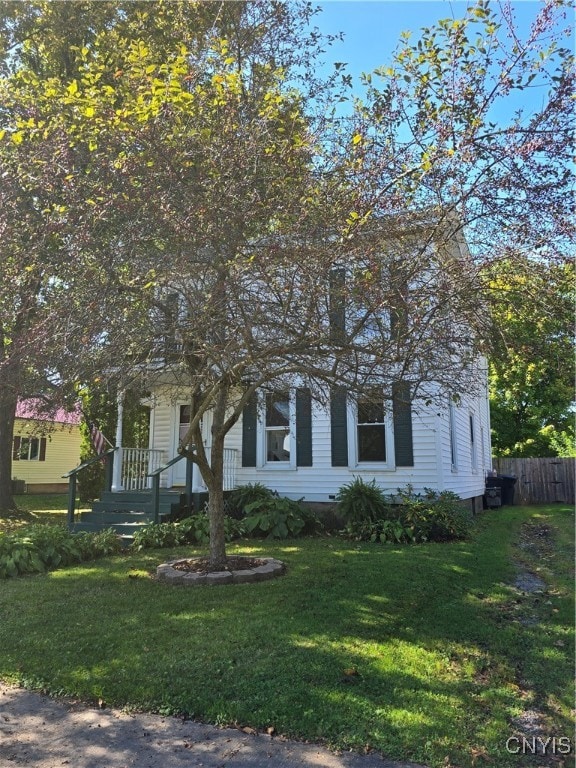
(216, 485)
(8, 403)
(216, 506)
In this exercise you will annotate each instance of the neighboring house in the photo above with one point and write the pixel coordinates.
(44, 447)
(304, 450)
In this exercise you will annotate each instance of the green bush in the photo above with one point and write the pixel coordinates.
(244, 495)
(99, 544)
(360, 503)
(91, 480)
(435, 515)
(279, 517)
(404, 517)
(190, 530)
(38, 548)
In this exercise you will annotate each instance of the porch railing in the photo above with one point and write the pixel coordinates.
(230, 466)
(137, 466)
(108, 458)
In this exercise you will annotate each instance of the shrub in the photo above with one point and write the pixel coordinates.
(190, 530)
(244, 495)
(405, 517)
(55, 545)
(279, 517)
(436, 515)
(18, 555)
(38, 548)
(360, 503)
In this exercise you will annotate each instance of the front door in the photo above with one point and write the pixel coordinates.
(182, 425)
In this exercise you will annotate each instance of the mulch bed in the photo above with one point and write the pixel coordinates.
(202, 565)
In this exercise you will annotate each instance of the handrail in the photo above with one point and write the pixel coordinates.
(80, 467)
(166, 466)
(72, 481)
(156, 483)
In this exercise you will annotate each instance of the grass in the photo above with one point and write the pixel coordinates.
(419, 652)
(37, 508)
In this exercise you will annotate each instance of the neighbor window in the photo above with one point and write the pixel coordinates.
(29, 449)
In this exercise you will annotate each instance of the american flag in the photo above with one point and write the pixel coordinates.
(98, 440)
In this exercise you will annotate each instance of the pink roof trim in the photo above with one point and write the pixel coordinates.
(31, 409)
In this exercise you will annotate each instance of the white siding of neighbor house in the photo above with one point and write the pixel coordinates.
(62, 454)
(320, 482)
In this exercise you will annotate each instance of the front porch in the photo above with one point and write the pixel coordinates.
(141, 488)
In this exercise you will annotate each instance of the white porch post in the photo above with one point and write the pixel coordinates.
(117, 474)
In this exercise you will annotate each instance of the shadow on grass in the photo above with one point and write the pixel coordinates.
(417, 652)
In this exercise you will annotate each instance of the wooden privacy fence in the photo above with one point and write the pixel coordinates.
(540, 481)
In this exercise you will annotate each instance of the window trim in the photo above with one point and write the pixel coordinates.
(29, 440)
(389, 465)
(261, 433)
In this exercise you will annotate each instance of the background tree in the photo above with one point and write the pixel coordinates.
(531, 371)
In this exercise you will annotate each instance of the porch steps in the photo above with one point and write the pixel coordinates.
(127, 512)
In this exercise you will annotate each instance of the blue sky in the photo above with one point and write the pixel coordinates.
(372, 27)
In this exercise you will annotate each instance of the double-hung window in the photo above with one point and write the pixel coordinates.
(277, 443)
(371, 430)
(29, 449)
(370, 435)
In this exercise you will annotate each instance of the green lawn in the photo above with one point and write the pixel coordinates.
(421, 652)
(37, 508)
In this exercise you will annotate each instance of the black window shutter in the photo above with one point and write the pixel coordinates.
(339, 427)
(402, 416)
(249, 423)
(303, 427)
(337, 310)
(16, 450)
(42, 456)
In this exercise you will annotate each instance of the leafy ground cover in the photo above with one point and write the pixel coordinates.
(425, 652)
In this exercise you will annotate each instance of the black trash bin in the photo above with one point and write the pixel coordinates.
(493, 492)
(508, 483)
